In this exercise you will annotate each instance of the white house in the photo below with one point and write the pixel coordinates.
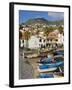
(40, 41)
(33, 42)
(36, 42)
(60, 39)
(22, 43)
(55, 39)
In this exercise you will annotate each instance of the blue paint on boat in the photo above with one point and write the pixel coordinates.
(45, 66)
(62, 68)
(46, 61)
(60, 53)
(42, 75)
(59, 59)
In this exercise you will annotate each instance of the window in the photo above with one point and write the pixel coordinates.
(47, 44)
(44, 40)
(56, 40)
(47, 39)
(51, 40)
(41, 46)
(23, 41)
(40, 40)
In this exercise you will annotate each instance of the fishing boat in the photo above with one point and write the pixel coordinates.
(59, 58)
(46, 62)
(47, 66)
(58, 75)
(32, 56)
(47, 59)
(50, 56)
(44, 75)
(47, 69)
(59, 72)
(60, 53)
(56, 59)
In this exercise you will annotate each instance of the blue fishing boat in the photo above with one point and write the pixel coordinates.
(46, 61)
(62, 68)
(47, 66)
(59, 72)
(43, 75)
(60, 52)
(59, 69)
(47, 69)
(59, 59)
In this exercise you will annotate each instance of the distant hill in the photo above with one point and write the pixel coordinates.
(37, 20)
(57, 22)
(43, 21)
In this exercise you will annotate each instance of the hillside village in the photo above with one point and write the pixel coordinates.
(41, 35)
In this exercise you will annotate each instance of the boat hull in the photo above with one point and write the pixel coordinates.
(47, 70)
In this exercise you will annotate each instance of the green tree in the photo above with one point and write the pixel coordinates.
(51, 28)
(46, 31)
(20, 27)
(55, 27)
(61, 29)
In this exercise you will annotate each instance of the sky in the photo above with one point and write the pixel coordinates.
(26, 15)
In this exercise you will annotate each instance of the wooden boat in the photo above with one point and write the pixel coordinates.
(58, 58)
(46, 75)
(46, 54)
(32, 56)
(47, 69)
(59, 74)
(60, 53)
(52, 65)
(50, 56)
(46, 61)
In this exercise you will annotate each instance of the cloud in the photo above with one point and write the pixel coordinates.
(56, 14)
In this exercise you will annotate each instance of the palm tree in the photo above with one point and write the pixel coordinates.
(20, 35)
(20, 27)
(27, 35)
(61, 29)
(47, 30)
